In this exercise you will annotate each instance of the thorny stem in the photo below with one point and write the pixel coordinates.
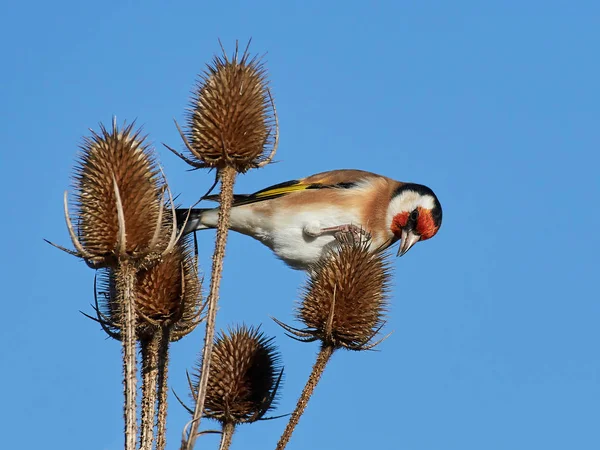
(126, 275)
(226, 436)
(150, 349)
(313, 380)
(163, 366)
(227, 181)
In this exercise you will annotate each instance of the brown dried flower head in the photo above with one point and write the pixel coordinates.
(345, 299)
(244, 376)
(232, 120)
(168, 294)
(116, 169)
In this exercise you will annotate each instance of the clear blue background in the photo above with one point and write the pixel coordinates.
(495, 105)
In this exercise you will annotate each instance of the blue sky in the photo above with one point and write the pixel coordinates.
(494, 105)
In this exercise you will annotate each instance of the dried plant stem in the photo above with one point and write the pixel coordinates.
(313, 380)
(227, 181)
(126, 275)
(163, 366)
(226, 436)
(150, 350)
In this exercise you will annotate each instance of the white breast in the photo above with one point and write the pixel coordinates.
(285, 233)
(298, 249)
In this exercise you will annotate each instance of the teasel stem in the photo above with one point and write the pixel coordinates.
(226, 436)
(126, 275)
(318, 368)
(150, 349)
(227, 181)
(163, 367)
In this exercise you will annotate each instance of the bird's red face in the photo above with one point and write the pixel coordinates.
(424, 225)
(416, 215)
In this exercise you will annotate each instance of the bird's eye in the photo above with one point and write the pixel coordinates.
(414, 215)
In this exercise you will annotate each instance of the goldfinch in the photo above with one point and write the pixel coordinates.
(300, 219)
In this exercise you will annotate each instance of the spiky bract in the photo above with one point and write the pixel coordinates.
(231, 119)
(117, 162)
(244, 376)
(345, 298)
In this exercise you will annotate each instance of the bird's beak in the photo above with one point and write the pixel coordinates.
(408, 239)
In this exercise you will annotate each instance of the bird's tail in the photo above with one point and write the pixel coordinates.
(194, 220)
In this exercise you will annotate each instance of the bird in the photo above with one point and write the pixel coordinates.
(299, 220)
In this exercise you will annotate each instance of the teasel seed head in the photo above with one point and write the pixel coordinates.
(345, 298)
(245, 375)
(168, 295)
(119, 202)
(232, 120)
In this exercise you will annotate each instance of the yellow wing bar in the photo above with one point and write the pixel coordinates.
(280, 189)
(276, 191)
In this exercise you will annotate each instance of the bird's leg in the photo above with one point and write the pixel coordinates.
(339, 231)
(313, 229)
(347, 228)
(355, 234)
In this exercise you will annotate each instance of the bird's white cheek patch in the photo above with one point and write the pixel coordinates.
(409, 201)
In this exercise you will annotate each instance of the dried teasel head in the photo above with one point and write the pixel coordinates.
(168, 294)
(244, 377)
(119, 200)
(345, 298)
(232, 120)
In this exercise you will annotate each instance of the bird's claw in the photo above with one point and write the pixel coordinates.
(351, 232)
